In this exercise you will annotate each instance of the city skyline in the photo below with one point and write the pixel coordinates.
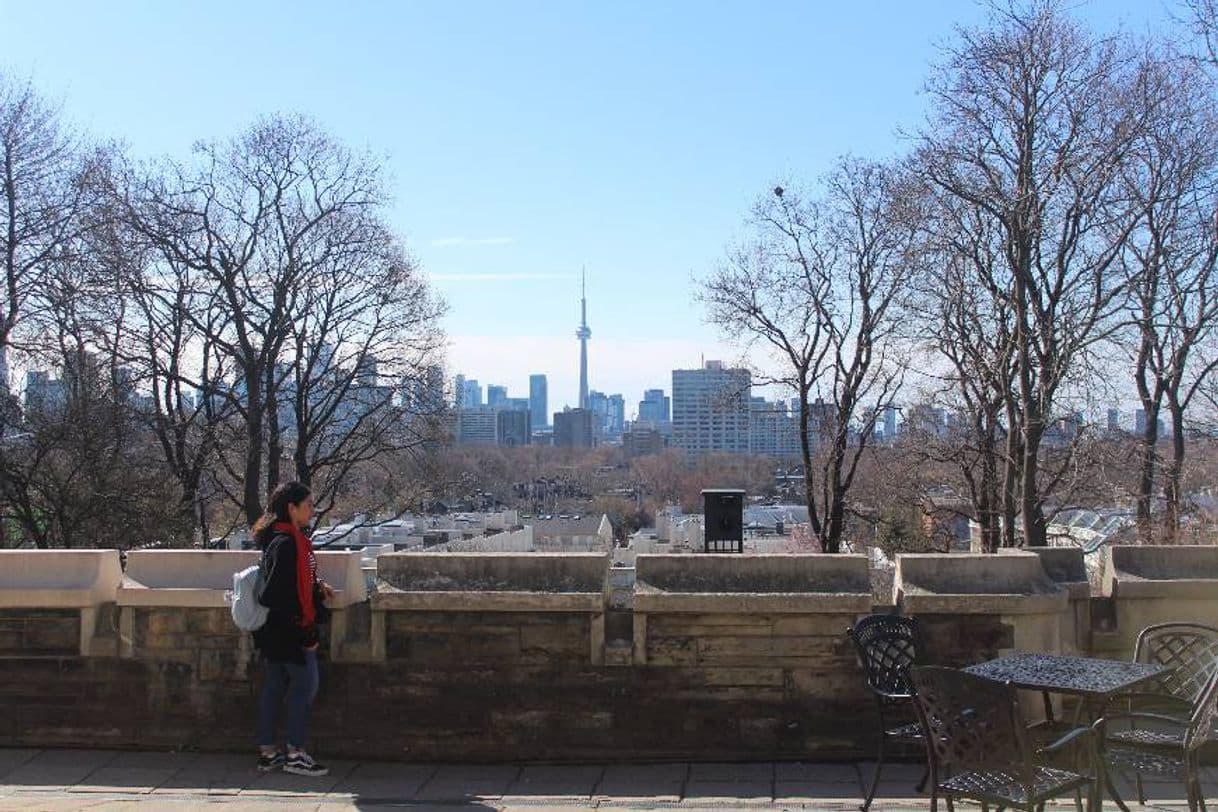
(524, 144)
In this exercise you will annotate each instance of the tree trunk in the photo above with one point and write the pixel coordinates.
(1146, 475)
(274, 439)
(1174, 474)
(252, 487)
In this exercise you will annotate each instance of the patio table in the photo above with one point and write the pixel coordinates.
(1091, 679)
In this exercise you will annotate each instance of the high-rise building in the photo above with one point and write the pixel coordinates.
(496, 395)
(459, 391)
(471, 398)
(477, 425)
(641, 440)
(423, 391)
(583, 334)
(537, 400)
(710, 408)
(655, 408)
(773, 431)
(890, 423)
(1139, 424)
(598, 405)
(616, 421)
(573, 429)
(514, 427)
(1114, 421)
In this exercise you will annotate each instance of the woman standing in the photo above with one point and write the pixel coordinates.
(289, 639)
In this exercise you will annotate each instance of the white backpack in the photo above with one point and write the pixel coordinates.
(248, 612)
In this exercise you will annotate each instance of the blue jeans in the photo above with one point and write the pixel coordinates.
(299, 684)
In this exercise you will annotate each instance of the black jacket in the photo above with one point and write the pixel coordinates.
(282, 638)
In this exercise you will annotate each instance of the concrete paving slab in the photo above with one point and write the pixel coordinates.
(156, 761)
(221, 762)
(225, 782)
(126, 780)
(33, 775)
(819, 773)
(720, 772)
(472, 782)
(292, 785)
(662, 783)
(395, 789)
(721, 791)
(811, 791)
(11, 758)
(556, 781)
(391, 769)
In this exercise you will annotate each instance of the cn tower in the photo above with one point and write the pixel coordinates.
(583, 334)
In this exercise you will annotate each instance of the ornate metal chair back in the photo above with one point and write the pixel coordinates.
(972, 724)
(888, 646)
(1189, 649)
(1205, 710)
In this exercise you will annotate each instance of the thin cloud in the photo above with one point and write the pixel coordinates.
(449, 242)
(497, 277)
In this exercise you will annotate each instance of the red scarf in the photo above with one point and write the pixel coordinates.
(306, 571)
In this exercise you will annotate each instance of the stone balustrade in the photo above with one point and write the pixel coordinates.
(1066, 566)
(1160, 584)
(488, 656)
(51, 601)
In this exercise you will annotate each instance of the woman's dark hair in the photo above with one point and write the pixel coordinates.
(288, 493)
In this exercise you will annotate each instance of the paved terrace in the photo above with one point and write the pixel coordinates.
(32, 779)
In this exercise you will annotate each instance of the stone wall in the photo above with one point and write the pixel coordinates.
(515, 658)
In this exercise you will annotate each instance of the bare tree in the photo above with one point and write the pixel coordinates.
(41, 197)
(965, 318)
(259, 230)
(819, 289)
(1170, 259)
(1031, 122)
(363, 381)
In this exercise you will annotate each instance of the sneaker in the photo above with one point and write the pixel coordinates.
(301, 763)
(272, 762)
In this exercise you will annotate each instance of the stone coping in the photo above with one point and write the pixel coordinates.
(783, 583)
(1162, 571)
(391, 598)
(1063, 565)
(478, 573)
(200, 578)
(58, 579)
(970, 583)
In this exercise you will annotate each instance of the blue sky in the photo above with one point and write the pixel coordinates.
(526, 140)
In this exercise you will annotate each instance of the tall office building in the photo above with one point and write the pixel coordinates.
(655, 408)
(477, 425)
(616, 417)
(773, 432)
(467, 394)
(573, 429)
(710, 408)
(890, 423)
(598, 405)
(537, 400)
(496, 395)
(514, 427)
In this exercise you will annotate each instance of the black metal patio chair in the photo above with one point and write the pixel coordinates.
(979, 748)
(1162, 744)
(1190, 651)
(888, 645)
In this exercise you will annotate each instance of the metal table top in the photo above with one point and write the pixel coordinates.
(1057, 673)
